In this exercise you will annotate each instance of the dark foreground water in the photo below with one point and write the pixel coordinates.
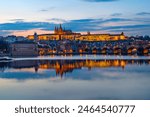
(88, 77)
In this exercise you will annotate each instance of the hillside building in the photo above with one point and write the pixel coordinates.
(60, 33)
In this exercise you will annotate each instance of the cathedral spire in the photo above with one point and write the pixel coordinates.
(61, 27)
(122, 33)
(55, 30)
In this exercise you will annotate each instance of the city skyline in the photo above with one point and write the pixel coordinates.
(24, 17)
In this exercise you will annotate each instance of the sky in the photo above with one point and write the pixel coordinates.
(24, 17)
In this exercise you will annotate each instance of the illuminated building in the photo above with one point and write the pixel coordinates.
(60, 33)
(102, 37)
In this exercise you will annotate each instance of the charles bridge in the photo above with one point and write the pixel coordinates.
(129, 47)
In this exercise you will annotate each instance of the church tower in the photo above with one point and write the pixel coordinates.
(88, 33)
(60, 30)
(122, 33)
(56, 30)
(61, 27)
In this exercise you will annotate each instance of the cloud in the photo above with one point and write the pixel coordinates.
(57, 20)
(116, 14)
(114, 24)
(5, 32)
(91, 24)
(127, 27)
(143, 13)
(47, 9)
(25, 25)
(116, 20)
(100, 0)
(44, 10)
(17, 20)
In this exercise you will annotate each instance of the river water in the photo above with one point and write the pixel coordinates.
(77, 77)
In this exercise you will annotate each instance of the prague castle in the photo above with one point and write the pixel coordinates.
(61, 33)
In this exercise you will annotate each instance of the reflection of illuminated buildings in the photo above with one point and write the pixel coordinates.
(65, 66)
(60, 33)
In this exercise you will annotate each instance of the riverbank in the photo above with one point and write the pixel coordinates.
(84, 57)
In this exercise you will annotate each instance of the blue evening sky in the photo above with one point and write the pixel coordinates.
(97, 16)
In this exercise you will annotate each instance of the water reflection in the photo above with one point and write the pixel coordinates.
(62, 67)
(75, 79)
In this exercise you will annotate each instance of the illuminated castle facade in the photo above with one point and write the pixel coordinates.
(61, 33)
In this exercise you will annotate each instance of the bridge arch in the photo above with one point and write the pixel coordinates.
(117, 50)
(54, 50)
(132, 50)
(94, 50)
(104, 50)
(147, 50)
(80, 50)
(87, 50)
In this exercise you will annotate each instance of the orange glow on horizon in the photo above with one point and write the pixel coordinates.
(25, 33)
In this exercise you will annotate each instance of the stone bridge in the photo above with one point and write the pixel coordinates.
(108, 50)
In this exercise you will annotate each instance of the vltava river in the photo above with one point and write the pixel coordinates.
(76, 77)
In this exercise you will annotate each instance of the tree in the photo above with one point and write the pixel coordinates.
(146, 37)
(3, 46)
